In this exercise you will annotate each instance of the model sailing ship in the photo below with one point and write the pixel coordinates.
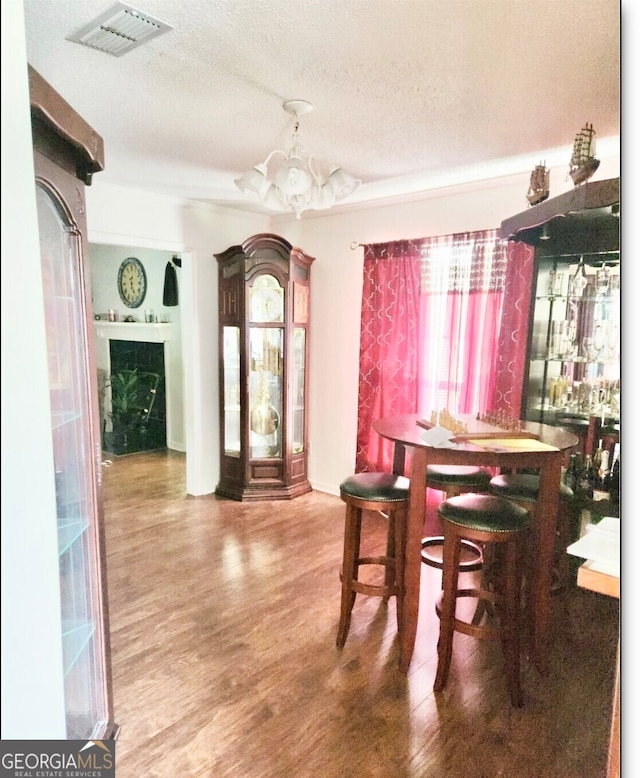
(538, 184)
(583, 161)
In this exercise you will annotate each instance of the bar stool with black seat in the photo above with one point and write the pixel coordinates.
(389, 495)
(494, 521)
(454, 480)
(522, 489)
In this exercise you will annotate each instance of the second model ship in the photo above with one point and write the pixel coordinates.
(538, 184)
(583, 160)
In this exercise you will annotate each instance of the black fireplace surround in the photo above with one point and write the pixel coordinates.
(150, 432)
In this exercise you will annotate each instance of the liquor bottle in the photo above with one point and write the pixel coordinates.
(572, 476)
(602, 489)
(614, 479)
(603, 470)
(595, 463)
(585, 486)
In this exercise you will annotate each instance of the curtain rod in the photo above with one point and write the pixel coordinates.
(355, 244)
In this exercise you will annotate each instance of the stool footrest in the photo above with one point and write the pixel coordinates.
(435, 560)
(484, 631)
(374, 590)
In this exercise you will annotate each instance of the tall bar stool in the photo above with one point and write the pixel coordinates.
(454, 480)
(522, 489)
(502, 525)
(389, 495)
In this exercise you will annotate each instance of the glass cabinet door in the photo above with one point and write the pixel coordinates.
(299, 360)
(574, 369)
(231, 390)
(265, 391)
(266, 305)
(82, 634)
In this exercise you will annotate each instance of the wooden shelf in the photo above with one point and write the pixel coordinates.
(588, 211)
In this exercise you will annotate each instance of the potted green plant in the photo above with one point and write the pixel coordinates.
(125, 410)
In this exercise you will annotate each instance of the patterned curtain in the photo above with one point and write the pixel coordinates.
(514, 329)
(388, 345)
(434, 333)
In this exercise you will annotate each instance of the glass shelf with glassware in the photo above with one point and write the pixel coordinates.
(574, 358)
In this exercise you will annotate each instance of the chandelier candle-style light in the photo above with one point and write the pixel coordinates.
(296, 185)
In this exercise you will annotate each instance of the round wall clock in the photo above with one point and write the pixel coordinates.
(132, 282)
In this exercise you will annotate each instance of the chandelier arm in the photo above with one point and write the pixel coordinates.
(275, 151)
(315, 173)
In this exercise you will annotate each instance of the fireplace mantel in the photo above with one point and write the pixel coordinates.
(137, 331)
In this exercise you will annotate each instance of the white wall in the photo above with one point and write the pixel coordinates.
(105, 261)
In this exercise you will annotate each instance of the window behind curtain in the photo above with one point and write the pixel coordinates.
(463, 278)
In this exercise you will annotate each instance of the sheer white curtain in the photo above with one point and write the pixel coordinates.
(462, 291)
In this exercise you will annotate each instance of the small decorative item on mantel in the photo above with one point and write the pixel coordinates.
(538, 184)
(583, 160)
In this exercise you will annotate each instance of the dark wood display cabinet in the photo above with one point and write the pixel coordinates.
(263, 302)
(573, 362)
(67, 152)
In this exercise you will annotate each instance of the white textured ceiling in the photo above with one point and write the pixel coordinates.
(404, 91)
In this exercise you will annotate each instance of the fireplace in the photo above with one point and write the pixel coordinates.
(147, 361)
(123, 347)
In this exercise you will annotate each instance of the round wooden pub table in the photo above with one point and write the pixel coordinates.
(541, 447)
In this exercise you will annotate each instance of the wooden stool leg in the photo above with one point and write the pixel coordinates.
(509, 616)
(486, 582)
(529, 591)
(451, 561)
(564, 537)
(389, 575)
(352, 527)
(400, 533)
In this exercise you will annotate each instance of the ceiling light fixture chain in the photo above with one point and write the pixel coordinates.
(296, 185)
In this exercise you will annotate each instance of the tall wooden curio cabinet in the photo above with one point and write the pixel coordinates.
(263, 302)
(66, 154)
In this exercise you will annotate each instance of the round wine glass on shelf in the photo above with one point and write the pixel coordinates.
(612, 341)
(587, 349)
(602, 280)
(599, 336)
(572, 331)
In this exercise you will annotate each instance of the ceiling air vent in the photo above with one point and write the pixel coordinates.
(119, 30)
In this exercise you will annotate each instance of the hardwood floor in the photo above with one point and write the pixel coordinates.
(223, 624)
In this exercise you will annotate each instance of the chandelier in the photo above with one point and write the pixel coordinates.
(296, 183)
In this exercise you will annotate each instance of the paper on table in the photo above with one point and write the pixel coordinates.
(438, 437)
(600, 543)
(515, 444)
